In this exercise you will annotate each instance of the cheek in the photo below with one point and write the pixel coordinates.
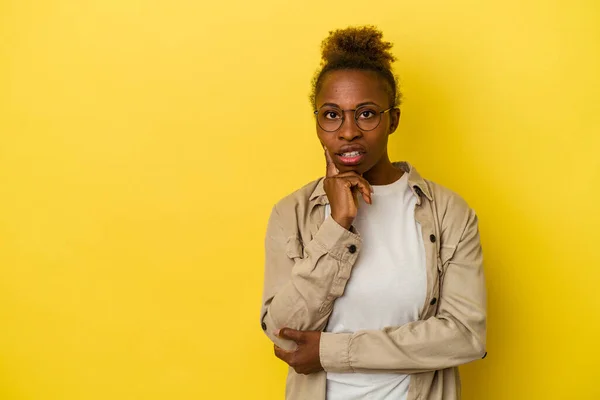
(379, 140)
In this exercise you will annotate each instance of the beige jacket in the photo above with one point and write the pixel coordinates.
(309, 260)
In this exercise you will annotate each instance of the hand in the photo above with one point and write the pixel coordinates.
(342, 191)
(305, 359)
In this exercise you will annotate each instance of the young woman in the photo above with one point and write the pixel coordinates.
(374, 285)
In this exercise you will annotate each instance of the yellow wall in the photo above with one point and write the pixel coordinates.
(143, 143)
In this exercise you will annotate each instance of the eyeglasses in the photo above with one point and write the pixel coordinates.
(367, 118)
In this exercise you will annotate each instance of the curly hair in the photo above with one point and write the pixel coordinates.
(357, 48)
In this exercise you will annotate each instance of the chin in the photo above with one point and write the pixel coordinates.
(359, 169)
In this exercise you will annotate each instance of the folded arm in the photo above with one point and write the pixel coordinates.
(456, 335)
(302, 282)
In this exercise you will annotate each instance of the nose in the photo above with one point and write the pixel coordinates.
(349, 130)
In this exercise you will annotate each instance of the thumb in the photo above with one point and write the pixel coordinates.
(291, 334)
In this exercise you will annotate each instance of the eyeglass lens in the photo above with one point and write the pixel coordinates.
(331, 118)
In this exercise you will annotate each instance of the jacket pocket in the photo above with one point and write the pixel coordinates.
(294, 248)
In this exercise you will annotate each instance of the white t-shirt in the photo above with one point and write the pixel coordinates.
(387, 285)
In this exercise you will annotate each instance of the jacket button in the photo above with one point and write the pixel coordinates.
(484, 355)
(432, 238)
(263, 326)
(352, 248)
(433, 301)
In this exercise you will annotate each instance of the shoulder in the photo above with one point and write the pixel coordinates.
(451, 209)
(443, 200)
(447, 199)
(295, 205)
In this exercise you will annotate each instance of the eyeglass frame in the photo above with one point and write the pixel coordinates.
(355, 119)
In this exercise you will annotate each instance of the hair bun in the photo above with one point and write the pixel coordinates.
(359, 48)
(363, 45)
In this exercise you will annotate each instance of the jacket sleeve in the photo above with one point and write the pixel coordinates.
(456, 335)
(301, 284)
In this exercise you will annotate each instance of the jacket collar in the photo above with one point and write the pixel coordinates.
(416, 183)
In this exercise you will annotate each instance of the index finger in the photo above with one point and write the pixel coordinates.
(330, 169)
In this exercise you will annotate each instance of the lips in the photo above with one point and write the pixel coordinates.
(350, 148)
(351, 154)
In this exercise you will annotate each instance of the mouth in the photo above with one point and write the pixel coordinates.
(351, 157)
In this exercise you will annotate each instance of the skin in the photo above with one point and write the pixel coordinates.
(347, 89)
(343, 184)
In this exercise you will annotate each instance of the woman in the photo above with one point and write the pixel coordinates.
(374, 284)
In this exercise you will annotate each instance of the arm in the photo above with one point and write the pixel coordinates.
(456, 335)
(299, 289)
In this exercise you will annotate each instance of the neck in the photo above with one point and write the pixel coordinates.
(383, 173)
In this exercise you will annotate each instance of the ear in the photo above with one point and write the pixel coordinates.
(394, 119)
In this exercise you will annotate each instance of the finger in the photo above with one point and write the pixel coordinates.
(330, 168)
(358, 188)
(359, 183)
(281, 353)
(354, 174)
(291, 334)
(366, 198)
(365, 193)
(355, 197)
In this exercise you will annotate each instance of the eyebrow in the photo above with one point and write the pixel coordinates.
(357, 106)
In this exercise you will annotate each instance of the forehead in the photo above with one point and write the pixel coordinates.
(347, 88)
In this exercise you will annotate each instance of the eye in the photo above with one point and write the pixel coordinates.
(366, 113)
(331, 114)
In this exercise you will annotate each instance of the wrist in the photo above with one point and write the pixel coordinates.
(343, 222)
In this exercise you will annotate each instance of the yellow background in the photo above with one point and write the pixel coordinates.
(143, 143)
